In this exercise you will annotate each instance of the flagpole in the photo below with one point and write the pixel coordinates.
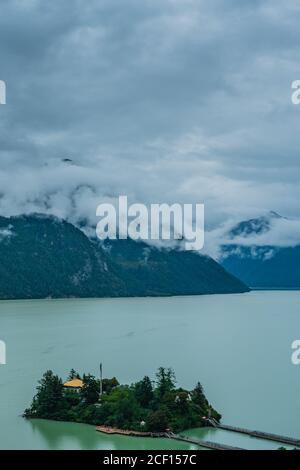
(101, 389)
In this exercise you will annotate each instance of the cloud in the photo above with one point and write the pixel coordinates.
(279, 232)
(162, 100)
(283, 233)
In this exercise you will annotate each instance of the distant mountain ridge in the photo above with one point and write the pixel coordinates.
(43, 256)
(261, 266)
(258, 226)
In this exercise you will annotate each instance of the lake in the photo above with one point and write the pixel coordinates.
(238, 346)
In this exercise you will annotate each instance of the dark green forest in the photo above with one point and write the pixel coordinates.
(146, 405)
(46, 257)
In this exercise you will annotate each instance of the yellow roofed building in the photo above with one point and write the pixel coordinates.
(75, 384)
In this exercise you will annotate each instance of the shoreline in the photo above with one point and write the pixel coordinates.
(128, 432)
(160, 296)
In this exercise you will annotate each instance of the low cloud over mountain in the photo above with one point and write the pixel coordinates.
(264, 252)
(165, 101)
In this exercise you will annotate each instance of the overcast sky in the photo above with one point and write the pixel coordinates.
(162, 100)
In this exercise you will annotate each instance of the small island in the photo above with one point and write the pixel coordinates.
(143, 407)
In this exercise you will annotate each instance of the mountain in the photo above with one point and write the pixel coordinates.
(48, 257)
(256, 226)
(44, 256)
(151, 271)
(261, 266)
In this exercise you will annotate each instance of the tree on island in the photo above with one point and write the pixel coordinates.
(144, 392)
(142, 406)
(198, 396)
(90, 389)
(109, 384)
(158, 421)
(73, 375)
(49, 397)
(165, 381)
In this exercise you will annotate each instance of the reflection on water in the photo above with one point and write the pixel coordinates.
(57, 435)
(61, 435)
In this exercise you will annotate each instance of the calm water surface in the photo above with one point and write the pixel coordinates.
(238, 346)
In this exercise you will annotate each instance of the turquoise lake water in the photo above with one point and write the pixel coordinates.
(238, 346)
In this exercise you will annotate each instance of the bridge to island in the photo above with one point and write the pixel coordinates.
(203, 443)
(253, 433)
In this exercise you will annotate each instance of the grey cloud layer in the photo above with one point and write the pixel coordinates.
(163, 100)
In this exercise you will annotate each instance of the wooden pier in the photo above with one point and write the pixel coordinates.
(168, 435)
(127, 432)
(202, 443)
